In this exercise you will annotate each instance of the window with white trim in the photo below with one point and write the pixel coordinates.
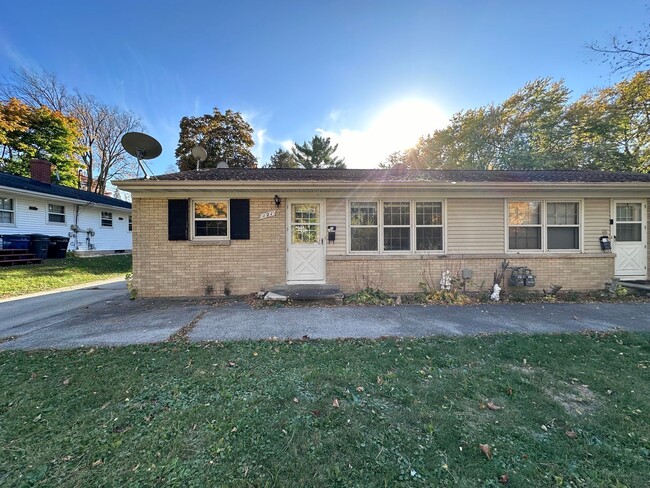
(55, 213)
(539, 225)
(107, 219)
(7, 211)
(364, 226)
(210, 219)
(396, 226)
(428, 226)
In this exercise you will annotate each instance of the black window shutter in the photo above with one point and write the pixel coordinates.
(240, 222)
(177, 219)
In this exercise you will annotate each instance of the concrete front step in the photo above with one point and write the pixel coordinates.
(304, 292)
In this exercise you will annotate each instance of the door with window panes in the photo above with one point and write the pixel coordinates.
(305, 242)
(629, 239)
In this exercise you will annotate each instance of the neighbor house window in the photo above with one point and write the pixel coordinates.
(428, 226)
(130, 224)
(396, 226)
(364, 226)
(211, 219)
(543, 226)
(107, 219)
(7, 211)
(56, 214)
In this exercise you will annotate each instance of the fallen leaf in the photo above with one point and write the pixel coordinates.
(66, 382)
(359, 389)
(234, 429)
(509, 392)
(315, 413)
(335, 403)
(34, 376)
(485, 448)
(492, 406)
(99, 462)
(544, 428)
(571, 434)
(231, 364)
(295, 399)
(504, 479)
(380, 380)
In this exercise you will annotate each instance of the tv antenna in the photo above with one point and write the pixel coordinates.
(142, 146)
(200, 154)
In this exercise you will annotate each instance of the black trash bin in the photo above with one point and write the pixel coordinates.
(58, 247)
(39, 245)
(15, 241)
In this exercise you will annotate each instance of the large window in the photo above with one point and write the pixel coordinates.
(7, 211)
(543, 226)
(55, 214)
(396, 226)
(210, 219)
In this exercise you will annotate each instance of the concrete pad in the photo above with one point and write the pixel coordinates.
(240, 323)
(102, 316)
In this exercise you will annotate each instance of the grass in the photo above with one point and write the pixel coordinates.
(575, 412)
(58, 273)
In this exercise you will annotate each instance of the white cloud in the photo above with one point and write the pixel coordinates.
(395, 128)
(287, 145)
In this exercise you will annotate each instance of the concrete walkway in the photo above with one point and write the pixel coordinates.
(104, 316)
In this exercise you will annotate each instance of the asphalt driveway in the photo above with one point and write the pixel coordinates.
(104, 316)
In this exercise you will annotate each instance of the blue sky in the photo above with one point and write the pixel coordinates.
(372, 75)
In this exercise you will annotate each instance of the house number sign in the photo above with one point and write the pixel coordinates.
(266, 215)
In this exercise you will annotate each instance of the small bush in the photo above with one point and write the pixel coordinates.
(370, 296)
(445, 297)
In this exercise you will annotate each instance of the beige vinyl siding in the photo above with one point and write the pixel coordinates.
(475, 225)
(336, 215)
(596, 214)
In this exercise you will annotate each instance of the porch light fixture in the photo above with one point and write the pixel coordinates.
(277, 201)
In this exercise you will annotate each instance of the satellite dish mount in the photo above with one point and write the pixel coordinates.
(141, 146)
(200, 155)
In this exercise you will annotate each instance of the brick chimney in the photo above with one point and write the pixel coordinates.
(41, 170)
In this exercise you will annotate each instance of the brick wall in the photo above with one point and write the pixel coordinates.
(403, 275)
(186, 268)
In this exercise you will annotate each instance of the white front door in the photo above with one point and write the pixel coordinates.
(305, 242)
(629, 243)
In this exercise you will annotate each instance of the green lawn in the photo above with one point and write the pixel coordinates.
(575, 411)
(57, 273)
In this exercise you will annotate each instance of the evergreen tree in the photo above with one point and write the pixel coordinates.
(317, 154)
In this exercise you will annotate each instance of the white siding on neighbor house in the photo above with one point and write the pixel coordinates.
(30, 221)
(475, 225)
(336, 215)
(596, 214)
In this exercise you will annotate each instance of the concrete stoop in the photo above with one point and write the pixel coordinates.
(304, 292)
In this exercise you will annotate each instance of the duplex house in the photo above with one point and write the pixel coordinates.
(238, 230)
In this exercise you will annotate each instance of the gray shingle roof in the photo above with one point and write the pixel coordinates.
(382, 175)
(28, 184)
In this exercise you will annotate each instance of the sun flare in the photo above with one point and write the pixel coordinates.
(396, 127)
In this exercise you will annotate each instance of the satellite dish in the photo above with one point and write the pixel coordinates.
(222, 165)
(142, 146)
(200, 154)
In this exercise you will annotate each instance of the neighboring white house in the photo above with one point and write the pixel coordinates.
(93, 222)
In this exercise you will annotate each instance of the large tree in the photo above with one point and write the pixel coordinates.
(226, 137)
(537, 128)
(27, 132)
(101, 126)
(317, 154)
(282, 159)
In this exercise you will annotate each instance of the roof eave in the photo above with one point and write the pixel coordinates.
(145, 185)
(65, 199)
